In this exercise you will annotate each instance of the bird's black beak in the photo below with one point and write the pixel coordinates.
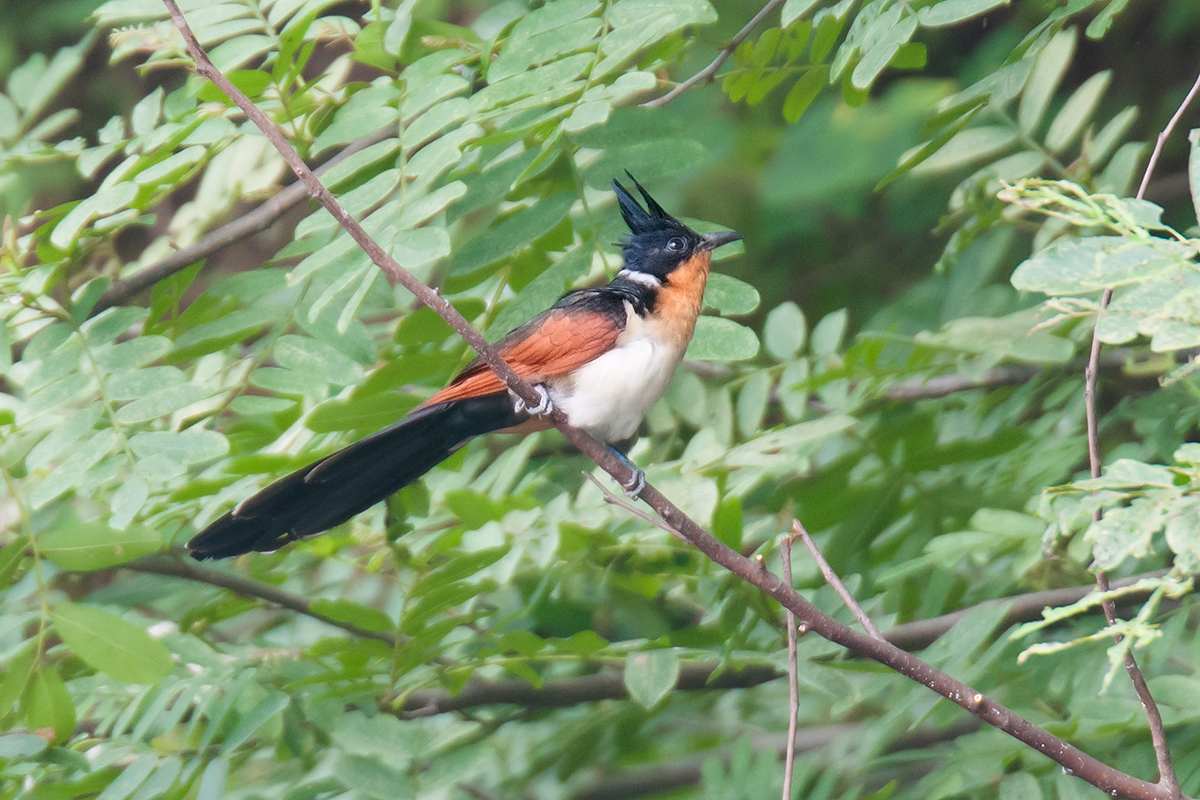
(711, 241)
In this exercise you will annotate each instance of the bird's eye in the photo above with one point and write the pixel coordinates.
(676, 244)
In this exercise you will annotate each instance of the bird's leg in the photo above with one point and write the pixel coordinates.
(637, 481)
(544, 405)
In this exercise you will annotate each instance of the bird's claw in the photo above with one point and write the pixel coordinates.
(637, 482)
(544, 406)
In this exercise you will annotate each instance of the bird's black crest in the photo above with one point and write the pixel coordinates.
(650, 219)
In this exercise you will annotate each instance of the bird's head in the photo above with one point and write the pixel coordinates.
(658, 243)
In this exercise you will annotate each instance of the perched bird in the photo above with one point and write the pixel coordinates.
(602, 356)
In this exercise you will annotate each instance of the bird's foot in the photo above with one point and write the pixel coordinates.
(637, 482)
(637, 479)
(544, 406)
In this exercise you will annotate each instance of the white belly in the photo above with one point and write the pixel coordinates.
(608, 397)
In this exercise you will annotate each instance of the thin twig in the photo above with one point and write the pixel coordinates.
(1093, 771)
(176, 566)
(1158, 734)
(258, 219)
(833, 580)
(705, 76)
(789, 756)
(612, 499)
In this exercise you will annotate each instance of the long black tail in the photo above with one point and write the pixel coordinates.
(330, 491)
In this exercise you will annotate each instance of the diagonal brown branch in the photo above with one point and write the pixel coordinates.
(1090, 769)
(705, 76)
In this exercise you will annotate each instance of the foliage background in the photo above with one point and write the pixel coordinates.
(128, 421)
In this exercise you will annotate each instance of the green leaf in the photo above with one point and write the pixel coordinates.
(881, 52)
(1078, 266)
(1102, 21)
(968, 146)
(639, 23)
(727, 522)
(828, 334)
(463, 565)
(21, 745)
(513, 234)
(794, 10)
(371, 777)
(117, 648)
(47, 704)
(650, 676)
(1125, 532)
(949, 12)
(212, 781)
(127, 501)
(752, 403)
(145, 114)
(923, 152)
(804, 91)
(1076, 112)
(785, 331)
(191, 446)
(543, 290)
(365, 111)
(720, 339)
(439, 599)
(132, 354)
(729, 295)
(1047, 73)
(85, 546)
(269, 707)
(131, 778)
(321, 361)
(16, 676)
(162, 402)
(11, 556)
(138, 383)
(73, 471)
(341, 610)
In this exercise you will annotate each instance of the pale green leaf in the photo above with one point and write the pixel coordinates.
(728, 295)
(48, 704)
(161, 402)
(1047, 73)
(650, 676)
(785, 331)
(117, 648)
(949, 12)
(794, 10)
(827, 335)
(752, 403)
(720, 339)
(86, 546)
(1076, 112)
(1076, 266)
(312, 358)
(191, 446)
(966, 147)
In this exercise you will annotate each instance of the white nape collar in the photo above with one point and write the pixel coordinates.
(644, 278)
